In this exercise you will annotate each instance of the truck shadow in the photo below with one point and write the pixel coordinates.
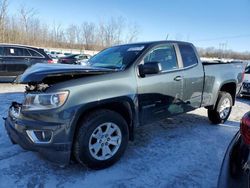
(173, 128)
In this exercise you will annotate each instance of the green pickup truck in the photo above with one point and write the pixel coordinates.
(88, 113)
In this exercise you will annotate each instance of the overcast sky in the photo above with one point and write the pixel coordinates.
(205, 23)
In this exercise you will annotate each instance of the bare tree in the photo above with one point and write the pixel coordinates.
(88, 34)
(26, 16)
(112, 31)
(132, 33)
(26, 28)
(71, 35)
(3, 16)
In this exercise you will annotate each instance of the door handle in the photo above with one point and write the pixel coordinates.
(178, 78)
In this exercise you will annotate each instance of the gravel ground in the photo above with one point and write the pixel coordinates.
(184, 151)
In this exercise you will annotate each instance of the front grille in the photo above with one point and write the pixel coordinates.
(246, 85)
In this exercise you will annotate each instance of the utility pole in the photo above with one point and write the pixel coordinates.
(167, 36)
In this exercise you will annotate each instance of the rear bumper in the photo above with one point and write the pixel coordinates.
(55, 152)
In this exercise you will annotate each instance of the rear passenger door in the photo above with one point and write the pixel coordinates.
(193, 76)
(16, 60)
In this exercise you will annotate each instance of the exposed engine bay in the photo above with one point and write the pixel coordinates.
(31, 87)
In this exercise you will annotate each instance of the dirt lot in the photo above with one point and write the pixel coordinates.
(184, 151)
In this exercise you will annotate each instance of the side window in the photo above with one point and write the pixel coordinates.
(165, 55)
(15, 52)
(79, 57)
(26, 52)
(1, 51)
(82, 57)
(188, 55)
(34, 53)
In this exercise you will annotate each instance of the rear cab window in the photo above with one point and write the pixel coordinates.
(188, 55)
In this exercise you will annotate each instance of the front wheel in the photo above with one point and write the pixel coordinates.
(101, 139)
(222, 110)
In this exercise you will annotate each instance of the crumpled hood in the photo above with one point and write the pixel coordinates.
(40, 71)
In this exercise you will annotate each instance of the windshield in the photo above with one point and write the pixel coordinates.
(247, 71)
(118, 57)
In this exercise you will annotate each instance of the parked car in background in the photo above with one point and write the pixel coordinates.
(55, 55)
(54, 60)
(73, 59)
(245, 90)
(15, 59)
(67, 54)
(235, 169)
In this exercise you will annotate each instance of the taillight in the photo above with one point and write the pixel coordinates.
(243, 75)
(245, 128)
(50, 61)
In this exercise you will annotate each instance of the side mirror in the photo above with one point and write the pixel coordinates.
(153, 67)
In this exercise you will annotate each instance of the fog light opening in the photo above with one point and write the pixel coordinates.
(40, 136)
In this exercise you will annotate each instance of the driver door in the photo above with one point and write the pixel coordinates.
(160, 95)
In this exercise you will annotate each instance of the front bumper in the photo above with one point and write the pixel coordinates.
(56, 151)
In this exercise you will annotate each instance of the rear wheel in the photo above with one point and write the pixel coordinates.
(101, 139)
(222, 110)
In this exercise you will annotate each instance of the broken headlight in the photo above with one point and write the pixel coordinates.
(44, 101)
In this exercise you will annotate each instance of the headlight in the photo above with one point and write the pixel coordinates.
(44, 101)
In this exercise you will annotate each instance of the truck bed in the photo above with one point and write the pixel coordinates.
(216, 73)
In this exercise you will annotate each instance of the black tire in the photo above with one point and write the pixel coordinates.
(87, 127)
(214, 115)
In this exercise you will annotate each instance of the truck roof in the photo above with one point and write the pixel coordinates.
(158, 42)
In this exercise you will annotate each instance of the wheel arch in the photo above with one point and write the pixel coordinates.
(125, 106)
(229, 87)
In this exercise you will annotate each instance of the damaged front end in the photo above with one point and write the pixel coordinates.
(37, 125)
(43, 122)
(50, 74)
